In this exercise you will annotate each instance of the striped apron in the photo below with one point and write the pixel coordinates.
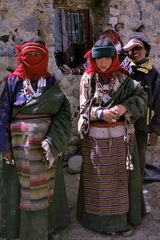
(104, 170)
(36, 179)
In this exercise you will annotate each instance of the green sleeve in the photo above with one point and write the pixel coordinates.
(136, 102)
(60, 130)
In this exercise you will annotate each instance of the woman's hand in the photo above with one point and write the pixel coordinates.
(8, 158)
(111, 115)
(131, 44)
(120, 109)
(47, 155)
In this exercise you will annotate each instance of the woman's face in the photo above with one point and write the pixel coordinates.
(35, 54)
(34, 57)
(103, 63)
(137, 54)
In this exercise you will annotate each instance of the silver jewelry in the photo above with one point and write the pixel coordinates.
(8, 162)
(114, 120)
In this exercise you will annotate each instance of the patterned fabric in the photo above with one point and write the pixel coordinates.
(108, 199)
(102, 90)
(13, 97)
(106, 88)
(28, 90)
(36, 180)
(52, 102)
(105, 175)
(125, 91)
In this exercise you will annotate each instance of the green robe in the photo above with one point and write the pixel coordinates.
(16, 223)
(131, 94)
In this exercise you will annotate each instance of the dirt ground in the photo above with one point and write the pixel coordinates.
(148, 230)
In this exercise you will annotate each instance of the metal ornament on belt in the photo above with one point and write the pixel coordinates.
(114, 120)
(8, 162)
(129, 164)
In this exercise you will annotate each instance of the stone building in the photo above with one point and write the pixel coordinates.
(69, 28)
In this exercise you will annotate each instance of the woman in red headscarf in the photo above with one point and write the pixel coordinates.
(110, 196)
(35, 124)
(109, 34)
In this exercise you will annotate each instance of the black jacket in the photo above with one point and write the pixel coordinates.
(151, 84)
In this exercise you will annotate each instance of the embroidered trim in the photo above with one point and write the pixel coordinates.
(28, 90)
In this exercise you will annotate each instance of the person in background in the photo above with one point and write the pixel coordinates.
(140, 67)
(110, 198)
(111, 35)
(35, 125)
(134, 57)
(114, 37)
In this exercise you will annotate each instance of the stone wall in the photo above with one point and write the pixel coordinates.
(20, 20)
(137, 17)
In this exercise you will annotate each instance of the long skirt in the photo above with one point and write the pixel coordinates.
(110, 197)
(33, 198)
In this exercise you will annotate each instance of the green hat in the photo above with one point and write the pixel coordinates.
(103, 51)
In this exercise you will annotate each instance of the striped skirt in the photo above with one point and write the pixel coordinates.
(104, 174)
(36, 179)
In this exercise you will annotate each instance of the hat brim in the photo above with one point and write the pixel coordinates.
(102, 52)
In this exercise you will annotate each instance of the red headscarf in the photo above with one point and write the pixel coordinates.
(112, 35)
(32, 67)
(93, 69)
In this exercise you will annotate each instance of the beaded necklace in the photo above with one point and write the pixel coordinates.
(105, 87)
